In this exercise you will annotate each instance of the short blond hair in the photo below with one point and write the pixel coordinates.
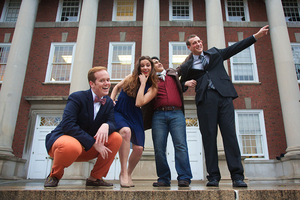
(92, 71)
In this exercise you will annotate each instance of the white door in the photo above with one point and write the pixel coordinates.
(115, 168)
(40, 162)
(195, 153)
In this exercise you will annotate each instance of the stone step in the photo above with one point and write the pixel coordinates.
(76, 189)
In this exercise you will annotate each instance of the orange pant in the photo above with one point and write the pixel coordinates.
(67, 150)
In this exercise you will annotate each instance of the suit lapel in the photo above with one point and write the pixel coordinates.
(101, 110)
(90, 106)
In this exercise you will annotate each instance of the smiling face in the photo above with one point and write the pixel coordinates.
(157, 65)
(196, 45)
(145, 67)
(102, 83)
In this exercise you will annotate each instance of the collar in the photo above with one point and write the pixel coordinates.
(94, 95)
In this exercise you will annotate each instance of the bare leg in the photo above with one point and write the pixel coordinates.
(134, 158)
(124, 150)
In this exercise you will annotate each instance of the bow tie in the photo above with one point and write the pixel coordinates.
(162, 74)
(102, 101)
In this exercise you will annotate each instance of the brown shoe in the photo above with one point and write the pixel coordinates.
(183, 183)
(51, 181)
(98, 182)
(160, 184)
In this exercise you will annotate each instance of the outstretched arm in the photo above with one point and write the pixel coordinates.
(262, 32)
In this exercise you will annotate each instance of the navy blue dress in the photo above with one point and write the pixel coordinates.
(128, 115)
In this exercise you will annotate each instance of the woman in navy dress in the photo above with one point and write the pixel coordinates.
(138, 89)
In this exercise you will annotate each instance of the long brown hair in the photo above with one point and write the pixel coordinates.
(132, 85)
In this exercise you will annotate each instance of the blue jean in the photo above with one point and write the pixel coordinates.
(164, 122)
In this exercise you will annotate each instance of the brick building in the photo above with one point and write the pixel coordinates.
(47, 47)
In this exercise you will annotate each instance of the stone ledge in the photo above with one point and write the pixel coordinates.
(101, 194)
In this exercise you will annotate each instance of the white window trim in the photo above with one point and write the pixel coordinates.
(191, 18)
(263, 132)
(4, 11)
(247, 17)
(114, 18)
(59, 11)
(110, 54)
(2, 45)
(171, 44)
(49, 66)
(253, 58)
(295, 44)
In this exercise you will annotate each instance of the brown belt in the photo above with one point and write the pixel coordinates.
(168, 108)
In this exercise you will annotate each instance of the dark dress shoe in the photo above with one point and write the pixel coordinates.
(51, 181)
(213, 183)
(160, 184)
(239, 183)
(183, 183)
(98, 182)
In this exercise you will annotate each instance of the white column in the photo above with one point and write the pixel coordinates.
(216, 38)
(214, 24)
(150, 37)
(14, 76)
(286, 76)
(84, 53)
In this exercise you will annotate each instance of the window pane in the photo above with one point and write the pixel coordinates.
(236, 10)
(61, 64)
(125, 10)
(181, 9)
(180, 52)
(243, 66)
(50, 121)
(13, 10)
(121, 61)
(296, 55)
(70, 10)
(291, 11)
(250, 133)
(4, 50)
(191, 122)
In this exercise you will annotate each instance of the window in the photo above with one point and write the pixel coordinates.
(243, 66)
(124, 10)
(120, 59)
(11, 10)
(4, 50)
(60, 62)
(181, 10)
(68, 11)
(296, 55)
(251, 133)
(236, 10)
(177, 53)
(291, 10)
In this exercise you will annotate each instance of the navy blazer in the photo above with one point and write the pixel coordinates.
(78, 119)
(215, 70)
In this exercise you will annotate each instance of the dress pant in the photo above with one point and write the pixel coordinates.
(214, 110)
(67, 149)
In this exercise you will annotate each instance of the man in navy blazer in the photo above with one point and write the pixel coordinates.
(214, 95)
(85, 132)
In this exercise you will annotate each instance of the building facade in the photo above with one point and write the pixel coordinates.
(47, 47)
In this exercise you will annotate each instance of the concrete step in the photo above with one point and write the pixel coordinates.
(76, 189)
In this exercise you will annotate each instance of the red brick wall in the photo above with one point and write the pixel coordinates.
(263, 96)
